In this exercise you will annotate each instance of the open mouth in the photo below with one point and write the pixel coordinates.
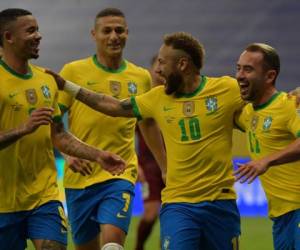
(244, 87)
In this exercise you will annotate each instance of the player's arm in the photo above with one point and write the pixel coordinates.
(249, 171)
(152, 136)
(70, 145)
(38, 117)
(97, 101)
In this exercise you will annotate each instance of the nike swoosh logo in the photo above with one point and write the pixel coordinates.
(11, 95)
(167, 109)
(91, 83)
(119, 215)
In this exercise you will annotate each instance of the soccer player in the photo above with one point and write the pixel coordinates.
(152, 182)
(196, 116)
(102, 202)
(272, 123)
(30, 126)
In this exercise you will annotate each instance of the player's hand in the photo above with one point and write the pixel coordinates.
(78, 165)
(249, 171)
(38, 117)
(295, 92)
(111, 163)
(60, 82)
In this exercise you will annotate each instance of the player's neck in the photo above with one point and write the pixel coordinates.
(16, 63)
(265, 96)
(191, 83)
(110, 62)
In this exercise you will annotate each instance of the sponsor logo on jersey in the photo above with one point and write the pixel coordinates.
(115, 87)
(188, 108)
(211, 104)
(91, 83)
(165, 108)
(254, 122)
(46, 91)
(17, 106)
(132, 88)
(267, 123)
(166, 244)
(31, 96)
(121, 216)
(13, 94)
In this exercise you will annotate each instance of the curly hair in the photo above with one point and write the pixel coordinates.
(187, 43)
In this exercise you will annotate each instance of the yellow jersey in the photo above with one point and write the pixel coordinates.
(197, 130)
(104, 132)
(270, 127)
(27, 167)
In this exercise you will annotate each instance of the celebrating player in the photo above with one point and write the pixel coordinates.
(29, 127)
(272, 123)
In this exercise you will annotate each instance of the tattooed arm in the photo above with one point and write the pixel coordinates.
(105, 104)
(38, 117)
(100, 102)
(70, 145)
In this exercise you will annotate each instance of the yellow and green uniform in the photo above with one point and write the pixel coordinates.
(27, 166)
(270, 127)
(108, 133)
(197, 130)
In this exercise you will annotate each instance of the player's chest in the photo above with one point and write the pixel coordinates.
(118, 87)
(207, 113)
(25, 96)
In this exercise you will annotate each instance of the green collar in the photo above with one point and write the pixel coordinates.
(109, 70)
(197, 90)
(13, 72)
(267, 103)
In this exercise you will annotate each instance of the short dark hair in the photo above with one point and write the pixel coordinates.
(9, 15)
(190, 45)
(109, 12)
(270, 55)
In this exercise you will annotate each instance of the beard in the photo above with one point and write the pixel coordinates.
(173, 83)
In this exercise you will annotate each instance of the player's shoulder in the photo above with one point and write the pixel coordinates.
(223, 80)
(286, 100)
(40, 71)
(79, 62)
(138, 69)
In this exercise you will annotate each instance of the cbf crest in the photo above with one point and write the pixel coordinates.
(267, 123)
(115, 87)
(254, 122)
(132, 88)
(211, 104)
(46, 91)
(188, 108)
(31, 96)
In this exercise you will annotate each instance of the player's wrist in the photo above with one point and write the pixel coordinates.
(71, 88)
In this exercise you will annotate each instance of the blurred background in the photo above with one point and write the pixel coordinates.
(225, 27)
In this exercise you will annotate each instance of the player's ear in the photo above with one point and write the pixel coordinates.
(183, 63)
(93, 34)
(271, 76)
(8, 36)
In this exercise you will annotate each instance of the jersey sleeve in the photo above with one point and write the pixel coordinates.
(294, 119)
(57, 116)
(144, 105)
(64, 99)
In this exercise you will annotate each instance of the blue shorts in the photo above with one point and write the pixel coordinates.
(205, 225)
(286, 231)
(109, 202)
(45, 222)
